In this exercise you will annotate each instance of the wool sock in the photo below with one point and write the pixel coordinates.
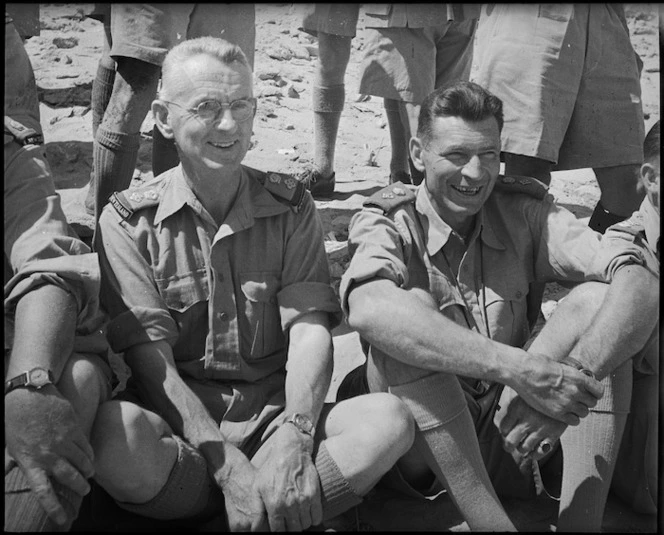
(115, 157)
(448, 442)
(337, 495)
(590, 450)
(327, 104)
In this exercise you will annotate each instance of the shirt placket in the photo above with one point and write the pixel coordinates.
(222, 346)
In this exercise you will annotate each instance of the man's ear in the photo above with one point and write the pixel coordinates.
(161, 115)
(416, 148)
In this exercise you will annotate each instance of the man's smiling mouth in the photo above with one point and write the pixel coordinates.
(466, 190)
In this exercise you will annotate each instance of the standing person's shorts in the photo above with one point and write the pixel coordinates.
(409, 63)
(569, 81)
(335, 19)
(148, 31)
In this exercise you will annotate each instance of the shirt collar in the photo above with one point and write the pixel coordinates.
(253, 201)
(438, 232)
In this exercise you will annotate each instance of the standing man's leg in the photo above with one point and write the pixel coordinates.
(621, 195)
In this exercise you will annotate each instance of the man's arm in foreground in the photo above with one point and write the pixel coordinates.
(403, 326)
(154, 367)
(43, 433)
(288, 478)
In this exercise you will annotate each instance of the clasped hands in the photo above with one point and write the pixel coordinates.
(282, 493)
(542, 405)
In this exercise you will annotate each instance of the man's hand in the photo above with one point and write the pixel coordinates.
(523, 428)
(557, 390)
(288, 481)
(244, 507)
(44, 437)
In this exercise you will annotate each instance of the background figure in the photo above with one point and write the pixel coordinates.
(137, 38)
(570, 82)
(52, 324)
(334, 25)
(412, 49)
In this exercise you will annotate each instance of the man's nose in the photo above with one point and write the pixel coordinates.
(473, 168)
(226, 121)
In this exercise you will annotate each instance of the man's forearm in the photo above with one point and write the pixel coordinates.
(309, 366)
(44, 332)
(624, 322)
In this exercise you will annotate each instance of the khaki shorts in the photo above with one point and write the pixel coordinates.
(569, 80)
(409, 63)
(335, 19)
(148, 31)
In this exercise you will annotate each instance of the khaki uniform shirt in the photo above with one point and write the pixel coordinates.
(222, 296)
(518, 239)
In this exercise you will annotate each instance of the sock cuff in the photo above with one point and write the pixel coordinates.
(433, 400)
(105, 75)
(183, 494)
(337, 495)
(328, 99)
(118, 141)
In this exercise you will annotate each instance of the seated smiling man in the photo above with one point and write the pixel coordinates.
(437, 287)
(217, 283)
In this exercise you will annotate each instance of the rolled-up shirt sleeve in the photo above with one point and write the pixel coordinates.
(306, 275)
(128, 290)
(40, 247)
(377, 250)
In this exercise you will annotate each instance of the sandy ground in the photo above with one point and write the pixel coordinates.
(65, 58)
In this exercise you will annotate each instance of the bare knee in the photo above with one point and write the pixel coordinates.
(387, 424)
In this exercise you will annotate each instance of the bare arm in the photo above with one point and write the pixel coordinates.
(288, 478)
(406, 327)
(43, 434)
(624, 322)
(154, 368)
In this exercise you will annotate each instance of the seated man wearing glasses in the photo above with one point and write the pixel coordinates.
(217, 283)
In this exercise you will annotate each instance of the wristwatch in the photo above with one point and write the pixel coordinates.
(302, 423)
(34, 378)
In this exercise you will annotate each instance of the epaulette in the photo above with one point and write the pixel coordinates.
(129, 201)
(522, 184)
(391, 197)
(284, 187)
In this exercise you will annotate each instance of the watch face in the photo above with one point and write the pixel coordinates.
(39, 377)
(303, 423)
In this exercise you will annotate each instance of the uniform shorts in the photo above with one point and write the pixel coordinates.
(335, 19)
(148, 31)
(407, 64)
(569, 80)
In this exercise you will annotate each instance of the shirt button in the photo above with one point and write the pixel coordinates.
(518, 295)
(222, 316)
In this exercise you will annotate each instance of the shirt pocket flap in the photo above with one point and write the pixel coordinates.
(505, 290)
(181, 293)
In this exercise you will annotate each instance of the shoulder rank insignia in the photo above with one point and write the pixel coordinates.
(522, 184)
(127, 202)
(390, 197)
(284, 187)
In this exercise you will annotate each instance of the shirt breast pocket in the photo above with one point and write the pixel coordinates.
(264, 334)
(184, 291)
(505, 305)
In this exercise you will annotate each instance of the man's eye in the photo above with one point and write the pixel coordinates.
(489, 156)
(208, 107)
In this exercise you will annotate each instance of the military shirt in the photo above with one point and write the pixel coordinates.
(223, 296)
(517, 240)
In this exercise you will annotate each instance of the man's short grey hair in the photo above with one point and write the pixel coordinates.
(215, 47)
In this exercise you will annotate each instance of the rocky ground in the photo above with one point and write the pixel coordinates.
(65, 56)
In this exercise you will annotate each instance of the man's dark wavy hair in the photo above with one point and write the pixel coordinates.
(467, 100)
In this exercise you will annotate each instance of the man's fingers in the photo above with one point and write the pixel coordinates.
(316, 510)
(65, 474)
(277, 522)
(47, 497)
(594, 387)
(80, 460)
